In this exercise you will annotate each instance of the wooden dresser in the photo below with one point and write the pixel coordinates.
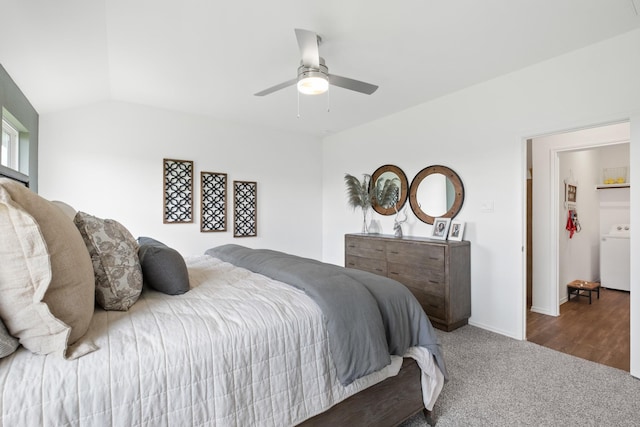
(438, 272)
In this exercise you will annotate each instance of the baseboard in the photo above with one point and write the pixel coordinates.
(543, 311)
(496, 330)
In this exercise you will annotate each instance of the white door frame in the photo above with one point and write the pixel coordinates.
(553, 290)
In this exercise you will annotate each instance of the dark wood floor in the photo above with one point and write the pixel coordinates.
(598, 332)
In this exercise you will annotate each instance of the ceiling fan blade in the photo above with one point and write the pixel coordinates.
(352, 84)
(308, 43)
(276, 87)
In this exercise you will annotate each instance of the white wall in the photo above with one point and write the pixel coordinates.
(480, 133)
(106, 160)
(634, 161)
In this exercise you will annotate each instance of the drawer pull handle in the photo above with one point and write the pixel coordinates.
(378, 250)
(435, 282)
(377, 269)
(435, 258)
(352, 246)
(352, 263)
(433, 305)
(393, 272)
(394, 252)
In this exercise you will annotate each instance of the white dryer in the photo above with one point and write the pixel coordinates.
(615, 258)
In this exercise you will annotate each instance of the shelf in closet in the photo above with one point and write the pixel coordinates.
(607, 186)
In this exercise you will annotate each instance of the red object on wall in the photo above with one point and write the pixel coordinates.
(571, 226)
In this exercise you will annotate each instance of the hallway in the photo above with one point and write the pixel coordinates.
(598, 332)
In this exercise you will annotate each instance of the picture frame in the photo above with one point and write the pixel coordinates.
(570, 193)
(456, 230)
(177, 191)
(245, 198)
(213, 203)
(440, 228)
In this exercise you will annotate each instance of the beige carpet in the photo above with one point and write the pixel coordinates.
(499, 381)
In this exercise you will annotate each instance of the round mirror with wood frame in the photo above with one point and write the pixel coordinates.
(449, 192)
(391, 172)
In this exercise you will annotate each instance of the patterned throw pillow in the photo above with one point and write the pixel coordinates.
(114, 253)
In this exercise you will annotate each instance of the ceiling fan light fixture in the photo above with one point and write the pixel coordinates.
(313, 83)
(313, 74)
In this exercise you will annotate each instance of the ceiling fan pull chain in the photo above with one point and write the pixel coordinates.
(329, 99)
(298, 104)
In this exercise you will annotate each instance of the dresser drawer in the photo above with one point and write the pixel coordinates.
(375, 266)
(433, 305)
(366, 248)
(416, 254)
(425, 279)
(436, 272)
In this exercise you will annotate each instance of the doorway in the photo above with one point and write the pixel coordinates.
(553, 259)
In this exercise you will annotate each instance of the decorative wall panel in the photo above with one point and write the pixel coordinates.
(245, 200)
(178, 191)
(214, 201)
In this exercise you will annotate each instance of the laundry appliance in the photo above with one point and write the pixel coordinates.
(615, 258)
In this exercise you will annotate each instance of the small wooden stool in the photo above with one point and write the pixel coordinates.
(582, 285)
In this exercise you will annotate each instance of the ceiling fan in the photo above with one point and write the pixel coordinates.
(313, 75)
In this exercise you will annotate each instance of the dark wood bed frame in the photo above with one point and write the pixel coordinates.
(385, 404)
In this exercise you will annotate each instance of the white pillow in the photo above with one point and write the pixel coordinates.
(46, 279)
(8, 344)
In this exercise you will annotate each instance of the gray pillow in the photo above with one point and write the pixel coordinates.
(163, 268)
(8, 344)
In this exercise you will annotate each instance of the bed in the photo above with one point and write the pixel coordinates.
(237, 348)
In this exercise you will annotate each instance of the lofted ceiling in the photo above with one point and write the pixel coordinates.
(209, 56)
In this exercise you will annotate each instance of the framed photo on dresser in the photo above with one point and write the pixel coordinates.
(440, 228)
(456, 230)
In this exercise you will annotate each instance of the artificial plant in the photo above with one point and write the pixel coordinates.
(362, 194)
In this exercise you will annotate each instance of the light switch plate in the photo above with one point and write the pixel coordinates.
(486, 206)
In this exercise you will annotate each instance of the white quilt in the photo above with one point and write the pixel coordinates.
(239, 349)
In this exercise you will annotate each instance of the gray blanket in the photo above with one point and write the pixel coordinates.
(368, 316)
